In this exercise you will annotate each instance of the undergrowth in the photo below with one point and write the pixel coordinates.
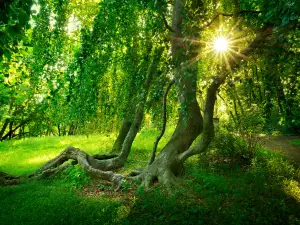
(223, 186)
(296, 142)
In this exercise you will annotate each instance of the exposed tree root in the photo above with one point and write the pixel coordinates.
(105, 156)
(136, 172)
(57, 164)
(88, 163)
(7, 179)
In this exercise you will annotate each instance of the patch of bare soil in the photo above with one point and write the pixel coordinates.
(283, 145)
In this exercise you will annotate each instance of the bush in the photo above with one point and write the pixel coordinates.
(227, 144)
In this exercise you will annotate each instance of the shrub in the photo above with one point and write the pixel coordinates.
(227, 144)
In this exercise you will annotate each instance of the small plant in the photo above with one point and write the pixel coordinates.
(104, 187)
(125, 185)
(76, 176)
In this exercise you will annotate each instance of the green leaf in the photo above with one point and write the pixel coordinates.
(285, 20)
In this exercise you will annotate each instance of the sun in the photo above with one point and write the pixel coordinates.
(221, 44)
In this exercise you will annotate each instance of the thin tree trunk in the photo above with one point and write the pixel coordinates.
(153, 153)
(126, 124)
(119, 161)
(6, 122)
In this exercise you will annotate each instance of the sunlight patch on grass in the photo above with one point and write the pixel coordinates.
(40, 159)
(292, 188)
(27, 155)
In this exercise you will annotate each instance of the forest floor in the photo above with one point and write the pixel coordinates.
(218, 187)
(286, 145)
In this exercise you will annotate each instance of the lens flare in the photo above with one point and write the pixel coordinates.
(221, 44)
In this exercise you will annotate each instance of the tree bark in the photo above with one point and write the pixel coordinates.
(126, 124)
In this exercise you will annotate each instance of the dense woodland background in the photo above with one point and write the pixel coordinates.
(111, 77)
(72, 67)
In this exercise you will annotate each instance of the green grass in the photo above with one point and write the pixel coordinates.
(52, 203)
(217, 189)
(24, 156)
(296, 142)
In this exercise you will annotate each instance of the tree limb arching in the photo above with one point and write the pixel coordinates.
(153, 153)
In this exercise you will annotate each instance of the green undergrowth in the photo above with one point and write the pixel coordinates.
(222, 186)
(296, 142)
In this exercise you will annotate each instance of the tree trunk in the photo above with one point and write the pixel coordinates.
(166, 166)
(6, 122)
(126, 124)
(169, 162)
(119, 161)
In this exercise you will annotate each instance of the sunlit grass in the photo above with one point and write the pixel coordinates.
(24, 156)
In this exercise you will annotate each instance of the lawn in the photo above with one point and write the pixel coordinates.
(215, 189)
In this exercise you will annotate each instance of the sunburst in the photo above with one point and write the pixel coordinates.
(221, 44)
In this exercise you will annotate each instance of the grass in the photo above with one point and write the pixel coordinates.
(216, 189)
(296, 142)
(24, 156)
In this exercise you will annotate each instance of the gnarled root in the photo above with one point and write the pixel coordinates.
(57, 164)
(7, 179)
(147, 176)
(105, 156)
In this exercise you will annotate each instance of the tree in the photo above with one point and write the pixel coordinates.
(122, 34)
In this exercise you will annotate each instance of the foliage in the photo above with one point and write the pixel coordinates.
(14, 17)
(76, 177)
(296, 142)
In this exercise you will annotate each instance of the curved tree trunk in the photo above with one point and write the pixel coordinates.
(153, 153)
(126, 124)
(166, 166)
(170, 160)
(120, 160)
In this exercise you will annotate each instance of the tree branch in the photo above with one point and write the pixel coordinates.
(167, 25)
(229, 15)
(164, 122)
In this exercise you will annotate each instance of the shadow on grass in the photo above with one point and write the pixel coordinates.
(52, 203)
(265, 192)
